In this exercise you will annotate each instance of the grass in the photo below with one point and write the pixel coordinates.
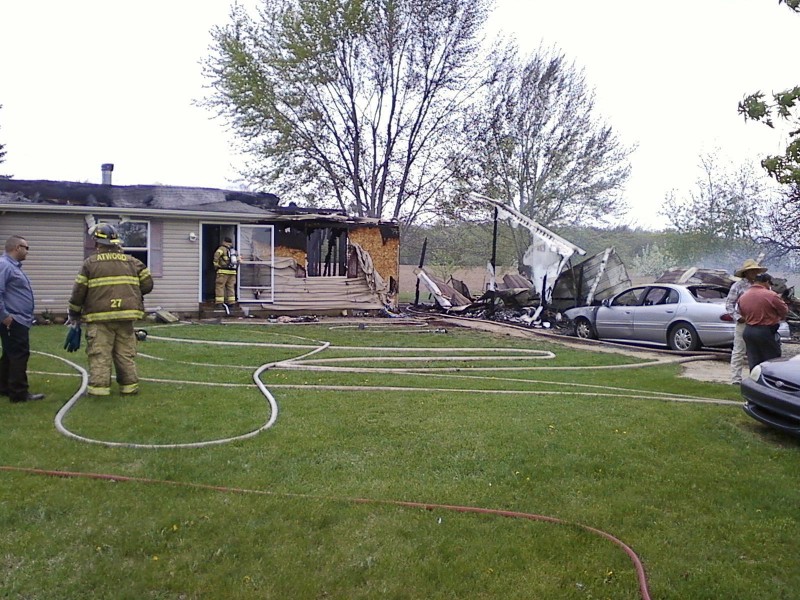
(707, 497)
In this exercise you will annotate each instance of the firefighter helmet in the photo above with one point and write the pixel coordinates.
(105, 235)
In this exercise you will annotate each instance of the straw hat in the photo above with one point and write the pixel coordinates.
(749, 265)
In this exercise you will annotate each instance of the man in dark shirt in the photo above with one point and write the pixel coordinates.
(762, 310)
(16, 318)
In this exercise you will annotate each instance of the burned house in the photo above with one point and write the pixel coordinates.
(293, 260)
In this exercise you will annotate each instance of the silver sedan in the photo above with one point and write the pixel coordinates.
(683, 317)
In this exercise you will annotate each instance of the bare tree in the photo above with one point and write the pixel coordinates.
(539, 145)
(781, 231)
(349, 102)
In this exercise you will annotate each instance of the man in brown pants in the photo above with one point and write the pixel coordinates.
(107, 296)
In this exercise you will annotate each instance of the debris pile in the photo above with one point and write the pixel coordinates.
(517, 300)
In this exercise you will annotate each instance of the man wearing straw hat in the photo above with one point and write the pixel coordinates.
(763, 310)
(747, 272)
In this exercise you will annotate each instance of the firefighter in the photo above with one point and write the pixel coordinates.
(225, 262)
(107, 297)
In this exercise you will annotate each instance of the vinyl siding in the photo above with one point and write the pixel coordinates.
(177, 290)
(55, 257)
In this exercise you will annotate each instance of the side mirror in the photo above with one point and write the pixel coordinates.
(606, 302)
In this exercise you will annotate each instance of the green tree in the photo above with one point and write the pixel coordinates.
(538, 144)
(784, 168)
(350, 102)
(723, 213)
(458, 242)
(725, 203)
(653, 261)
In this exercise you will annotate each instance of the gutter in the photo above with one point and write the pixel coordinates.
(161, 212)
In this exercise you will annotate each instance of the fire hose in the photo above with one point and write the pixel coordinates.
(637, 563)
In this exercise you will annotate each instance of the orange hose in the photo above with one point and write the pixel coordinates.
(637, 563)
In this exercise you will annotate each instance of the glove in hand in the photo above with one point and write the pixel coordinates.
(73, 341)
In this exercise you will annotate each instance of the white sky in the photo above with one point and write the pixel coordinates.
(84, 82)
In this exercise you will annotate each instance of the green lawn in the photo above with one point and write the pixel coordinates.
(312, 507)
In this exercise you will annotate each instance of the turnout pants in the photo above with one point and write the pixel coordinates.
(112, 342)
(225, 288)
(14, 360)
(762, 343)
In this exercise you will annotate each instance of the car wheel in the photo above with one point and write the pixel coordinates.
(584, 329)
(683, 337)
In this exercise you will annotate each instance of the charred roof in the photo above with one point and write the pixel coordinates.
(162, 197)
(68, 193)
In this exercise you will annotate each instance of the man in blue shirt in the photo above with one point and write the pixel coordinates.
(16, 318)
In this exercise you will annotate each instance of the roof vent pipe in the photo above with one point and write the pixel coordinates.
(107, 169)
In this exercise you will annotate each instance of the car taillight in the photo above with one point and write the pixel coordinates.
(726, 317)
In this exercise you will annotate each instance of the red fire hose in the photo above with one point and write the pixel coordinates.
(637, 563)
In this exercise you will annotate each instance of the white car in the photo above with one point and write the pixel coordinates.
(683, 317)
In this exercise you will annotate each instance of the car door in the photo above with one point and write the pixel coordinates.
(615, 318)
(653, 317)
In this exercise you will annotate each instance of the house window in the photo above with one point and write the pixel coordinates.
(135, 237)
(142, 239)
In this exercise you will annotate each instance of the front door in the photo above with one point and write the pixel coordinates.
(211, 238)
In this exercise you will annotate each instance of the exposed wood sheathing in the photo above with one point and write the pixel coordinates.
(299, 256)
(385, 252)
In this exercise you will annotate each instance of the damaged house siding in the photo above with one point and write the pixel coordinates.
(297, 291)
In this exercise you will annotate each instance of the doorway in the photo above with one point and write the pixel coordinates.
(211, 238)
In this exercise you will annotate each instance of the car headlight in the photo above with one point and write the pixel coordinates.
(755, 373)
